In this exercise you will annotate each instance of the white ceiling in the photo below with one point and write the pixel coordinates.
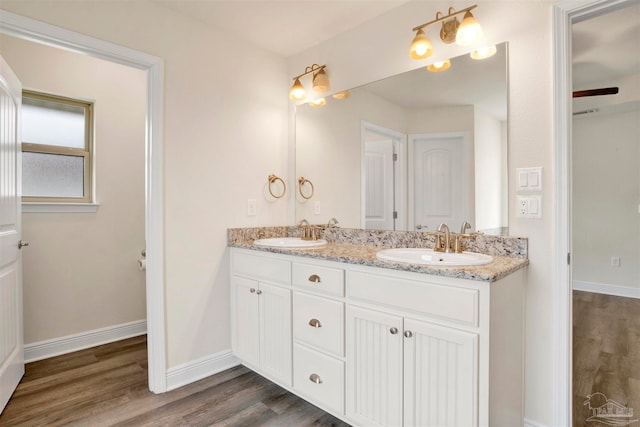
(606, 47)
(284, 27)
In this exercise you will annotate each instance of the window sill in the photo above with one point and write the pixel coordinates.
(42, 207)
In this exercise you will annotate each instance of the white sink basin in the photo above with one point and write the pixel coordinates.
(431, 257)
(289, 242)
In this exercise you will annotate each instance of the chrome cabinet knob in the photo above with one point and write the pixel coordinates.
(420, 226)
(393, 331)
(22, 244)
(252, 290)
(259, 292)
(315, 323)
(314, 278)
(315, 378)
(408, 334)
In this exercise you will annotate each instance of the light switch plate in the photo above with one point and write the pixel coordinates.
(529, 179)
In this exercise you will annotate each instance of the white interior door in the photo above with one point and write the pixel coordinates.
(439, 180)
(11, 341)
(379, 185)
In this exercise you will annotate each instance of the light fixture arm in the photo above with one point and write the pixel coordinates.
(311, 69)
(451, 14)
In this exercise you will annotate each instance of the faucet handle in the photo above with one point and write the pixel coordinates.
(464, 227)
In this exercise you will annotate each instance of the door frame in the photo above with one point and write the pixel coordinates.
(400, 172)
(565, 13)
(40, 32)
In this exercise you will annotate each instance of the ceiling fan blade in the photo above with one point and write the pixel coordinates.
(595, 92)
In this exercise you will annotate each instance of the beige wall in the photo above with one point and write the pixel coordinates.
(527, 27)
(80, 271)
(225, 131)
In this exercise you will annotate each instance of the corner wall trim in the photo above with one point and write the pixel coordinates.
(604, 288)
(70, 343)
(200, 368)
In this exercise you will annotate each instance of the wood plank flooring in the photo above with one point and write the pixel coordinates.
(606, 352)
(107, 386)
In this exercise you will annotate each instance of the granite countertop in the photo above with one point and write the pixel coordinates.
(360, 254)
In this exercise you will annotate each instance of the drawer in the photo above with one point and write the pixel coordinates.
(261, 268)
(319, 378)
(326, 280)
(443, 301)
(319, 322)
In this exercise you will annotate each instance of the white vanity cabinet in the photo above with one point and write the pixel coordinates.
(382, 347)
(261, 314)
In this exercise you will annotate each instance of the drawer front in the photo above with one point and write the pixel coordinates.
(319, 322)
(325, 280)
(443, 301)
(261, 268)
(318, 377)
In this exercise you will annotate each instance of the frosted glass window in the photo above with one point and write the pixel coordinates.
(56, 149)
(51, 123)
(52, 175)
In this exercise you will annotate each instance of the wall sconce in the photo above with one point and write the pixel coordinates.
(463, 33)
(320, 82)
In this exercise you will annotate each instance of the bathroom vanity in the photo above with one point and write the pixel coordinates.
(380, 343)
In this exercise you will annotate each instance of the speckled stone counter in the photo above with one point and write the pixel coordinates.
(360, 247)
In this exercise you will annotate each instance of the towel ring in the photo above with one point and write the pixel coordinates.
(272, 179)
(302, 181)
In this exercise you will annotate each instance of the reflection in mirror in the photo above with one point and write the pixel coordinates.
(411, 151)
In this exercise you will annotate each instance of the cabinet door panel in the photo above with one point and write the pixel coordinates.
(374, 367)
(246, 337)
(440, 371)
(275, 332)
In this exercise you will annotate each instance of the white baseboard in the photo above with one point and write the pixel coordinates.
(200, 368)
(603, 288)
(531, 423)
(70, 343)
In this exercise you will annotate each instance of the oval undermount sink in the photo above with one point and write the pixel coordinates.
(430, 257)
(289, 243)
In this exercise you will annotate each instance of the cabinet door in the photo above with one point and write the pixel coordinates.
(246, 336)
(374, 367)
(275, 332)
(440, 376)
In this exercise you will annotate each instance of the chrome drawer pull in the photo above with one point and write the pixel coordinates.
(393, 331)
(408, 334)
(315, 323)
(315, 378)
(314, 278)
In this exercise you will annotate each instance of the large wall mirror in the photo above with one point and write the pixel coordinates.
(410, 151)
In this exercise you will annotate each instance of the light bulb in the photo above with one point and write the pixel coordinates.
(297, 91)
(469, 30)
(421, 46)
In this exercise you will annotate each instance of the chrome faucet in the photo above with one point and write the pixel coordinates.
(308, 231)
(464, 227)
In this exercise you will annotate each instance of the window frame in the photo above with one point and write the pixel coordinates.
(86, 153)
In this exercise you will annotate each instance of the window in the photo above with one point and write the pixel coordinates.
(56, 149)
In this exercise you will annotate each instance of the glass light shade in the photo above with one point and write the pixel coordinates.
(342, 95)
(297, 91)
(421, 46)
(484, 52)
(320, 102)
(439, 66)
(320, 82)
(469, 30)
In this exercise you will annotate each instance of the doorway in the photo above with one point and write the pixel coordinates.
(36, 31)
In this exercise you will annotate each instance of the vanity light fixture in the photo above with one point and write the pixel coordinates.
(320, 82)
(484, 52)
(463, 33)
(436, 67)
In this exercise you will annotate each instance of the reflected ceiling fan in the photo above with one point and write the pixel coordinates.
(595, 92)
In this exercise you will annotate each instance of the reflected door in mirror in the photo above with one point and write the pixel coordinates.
(378, 177)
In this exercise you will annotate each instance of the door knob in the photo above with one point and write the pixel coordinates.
(22, 244)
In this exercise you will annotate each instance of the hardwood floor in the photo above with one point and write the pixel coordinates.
(606, 352)
(107, 386)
